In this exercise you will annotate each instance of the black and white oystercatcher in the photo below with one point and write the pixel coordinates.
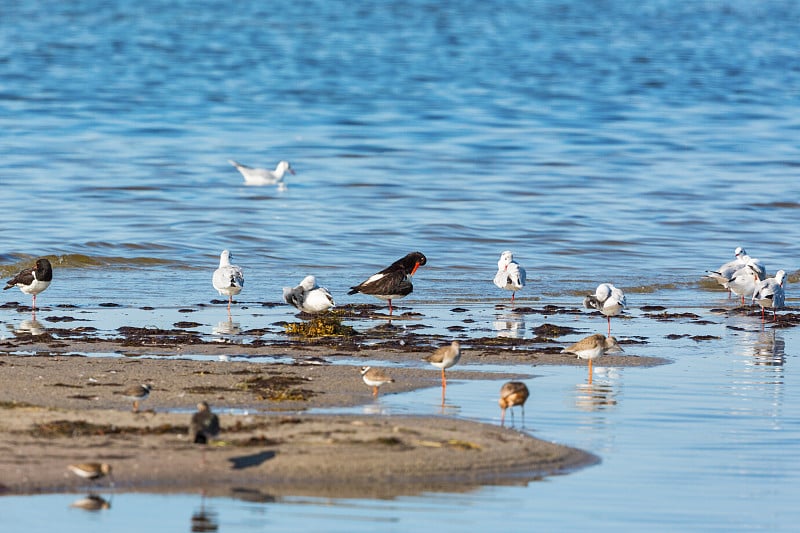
(33, 280)
(394, 281)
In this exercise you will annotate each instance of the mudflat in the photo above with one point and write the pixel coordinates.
(57, 410)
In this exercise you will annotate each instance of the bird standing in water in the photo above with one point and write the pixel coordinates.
(510, 275)
(607, 299)
(444, 358)
(33, 280)
(228, 279)
(592, 347)
(511, 394)
(394, 281)
(770, 293)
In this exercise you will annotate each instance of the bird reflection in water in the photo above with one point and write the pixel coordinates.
(509, 325)
(204, 520)
(28, 327)
(227, 327)
(769, 349)
(599, 395)
(92, 502)
(247, 494)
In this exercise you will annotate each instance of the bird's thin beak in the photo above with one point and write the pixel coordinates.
(416, 266)
(291, 171)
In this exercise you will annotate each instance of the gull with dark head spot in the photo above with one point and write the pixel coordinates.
(770, 293)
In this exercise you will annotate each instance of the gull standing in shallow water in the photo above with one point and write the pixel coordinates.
(607, 299)
(228, 279)
(374, 377)
(725, 272)
(770, 293)
(262, 176)
(592, 347)
(394, 281)
(743, 282)
(33, 280)
(309, 297)
(511, 394)
(510, 275)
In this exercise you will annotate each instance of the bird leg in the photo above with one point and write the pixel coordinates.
(590, 371)
(135, 406)
(609, 325)
(444, 380)
(502, 416)
(390, 307)
(374, 390)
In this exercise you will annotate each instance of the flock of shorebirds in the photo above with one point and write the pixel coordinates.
(204, 426)
(744, 276)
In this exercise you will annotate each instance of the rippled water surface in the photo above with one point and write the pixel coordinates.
(633, 142)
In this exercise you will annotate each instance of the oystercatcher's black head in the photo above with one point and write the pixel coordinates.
(44, 270)
(411, 262)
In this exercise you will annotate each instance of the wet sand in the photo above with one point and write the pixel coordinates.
(58, 408)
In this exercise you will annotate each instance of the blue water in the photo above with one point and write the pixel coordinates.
(633, 142)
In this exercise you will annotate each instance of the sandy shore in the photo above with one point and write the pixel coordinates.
(58, 408)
